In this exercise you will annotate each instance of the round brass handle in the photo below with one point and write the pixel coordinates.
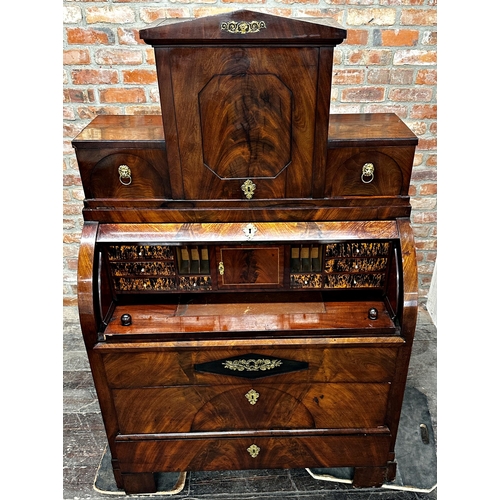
(125, 175)
(367, 173)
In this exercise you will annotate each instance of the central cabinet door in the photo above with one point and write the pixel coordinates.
(243, 126)
(250, 266)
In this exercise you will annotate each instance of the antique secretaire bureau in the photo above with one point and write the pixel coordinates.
(247, 275)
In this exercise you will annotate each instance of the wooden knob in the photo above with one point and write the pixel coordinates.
(126, 320)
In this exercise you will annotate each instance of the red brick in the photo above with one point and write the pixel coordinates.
(94, 76)
(143, 110)
(427, 143)
(402, 2)
(415, 57)
(90, 112)
(379, 75)
(428, 189)
(116, 15)
(122, 95)
(129, 36)
(71, 180)
(424, 174)
(363, 94)
(118, 56)
(414, 17)
(431, 160)
(140, 76)
(264, 1)
(348, 76)
(412, 94)
(426, 77)
(78, 95)
(423, 111)
(76, 56)
(399, 38)
(89, 36)
(398, 109)
(370, 56)
(356, 37)
(374, 17)
(424, 217)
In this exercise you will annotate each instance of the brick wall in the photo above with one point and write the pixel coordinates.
(387, 63)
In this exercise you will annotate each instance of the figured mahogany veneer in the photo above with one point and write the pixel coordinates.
(247, 279)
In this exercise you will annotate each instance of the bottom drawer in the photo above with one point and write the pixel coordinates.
(241, 453)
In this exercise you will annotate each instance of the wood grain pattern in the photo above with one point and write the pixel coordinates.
(231, 453)
(198, 408)
(304, 231)
(245, 96)
(327, 364)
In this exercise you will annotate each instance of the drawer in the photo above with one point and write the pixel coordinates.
(324, 363)
(124, 173)
(371, 171)
(243, 453)
(250, 407)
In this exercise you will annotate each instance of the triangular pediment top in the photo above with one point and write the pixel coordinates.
(244, 26)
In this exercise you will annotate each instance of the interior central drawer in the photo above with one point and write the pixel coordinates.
(249, 407)
(185, 366)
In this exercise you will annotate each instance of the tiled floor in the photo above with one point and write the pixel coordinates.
(84, 438)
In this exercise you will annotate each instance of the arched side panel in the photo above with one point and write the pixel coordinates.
(88, 307)
(90, 319)
(408, 318)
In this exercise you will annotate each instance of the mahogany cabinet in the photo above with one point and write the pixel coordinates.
(247, 277)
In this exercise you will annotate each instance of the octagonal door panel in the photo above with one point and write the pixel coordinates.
(243, 127)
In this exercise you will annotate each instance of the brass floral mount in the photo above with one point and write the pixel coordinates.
(252, 365)
(243, 27)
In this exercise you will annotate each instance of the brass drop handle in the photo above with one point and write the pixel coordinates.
(125, 175)
(368, 173)
(253, 450)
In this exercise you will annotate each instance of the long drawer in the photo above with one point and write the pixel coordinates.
(247, 407)
(198, 453)
(298, 364)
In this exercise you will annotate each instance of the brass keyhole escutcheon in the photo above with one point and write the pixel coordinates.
(125, 175)
(250, 230)
(253, 450)
(252, 396)
(221, 268)
(368, 173)
(248, 188)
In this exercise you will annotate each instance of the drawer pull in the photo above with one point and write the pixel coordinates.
(253, 450)
(368, 173)
(125, 175)
(248, 188)
(252, 365)
(252, 396)
(221, 268)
